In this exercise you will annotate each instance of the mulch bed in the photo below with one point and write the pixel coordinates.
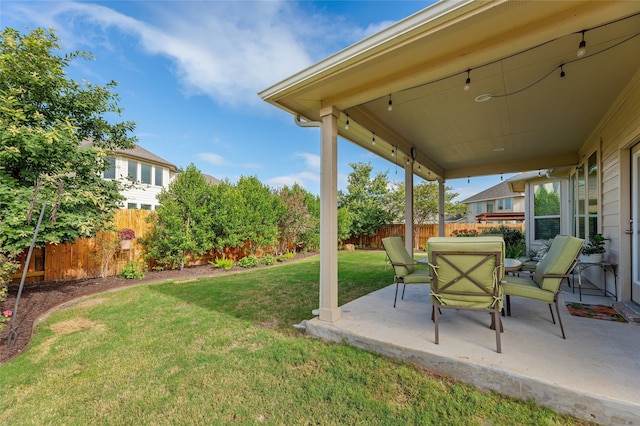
(39, 298)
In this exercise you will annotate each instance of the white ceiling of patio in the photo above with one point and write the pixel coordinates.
(514, 51)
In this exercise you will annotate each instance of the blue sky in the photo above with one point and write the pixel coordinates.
(188, 74)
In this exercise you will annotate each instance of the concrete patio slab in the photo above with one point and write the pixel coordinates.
(593, 374)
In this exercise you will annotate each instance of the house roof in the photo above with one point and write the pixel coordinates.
(519, 113)
(501, 190)
(210, 179)
(140, 153)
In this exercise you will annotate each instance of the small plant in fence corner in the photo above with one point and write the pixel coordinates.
(222, 263)
(133, 269)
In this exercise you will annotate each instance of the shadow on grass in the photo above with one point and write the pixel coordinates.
(282, 295)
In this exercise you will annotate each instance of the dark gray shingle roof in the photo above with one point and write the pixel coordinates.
(498, 191)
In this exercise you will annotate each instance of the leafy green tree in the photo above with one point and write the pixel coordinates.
(310, 239)
(44, 118)
(297, 223)
(262, 209)
(426, 204)
(183, 221)
(366, 199)
(227, 210)
(344, 225)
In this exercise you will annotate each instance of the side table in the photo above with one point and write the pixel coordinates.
(606, 267)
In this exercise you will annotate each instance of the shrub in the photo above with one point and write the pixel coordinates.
(222, 263)
(248, 262)
(268, 260)
(286, 256)
(133, 269)
(465, 233)
(7, 267)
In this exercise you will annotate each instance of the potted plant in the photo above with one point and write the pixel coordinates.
(126, 235)
(594, 249)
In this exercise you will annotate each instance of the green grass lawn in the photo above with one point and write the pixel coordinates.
(223, 350)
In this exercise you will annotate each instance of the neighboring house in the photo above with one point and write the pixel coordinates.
(147, 173)
(496, 204)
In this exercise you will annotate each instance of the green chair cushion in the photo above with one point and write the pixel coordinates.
(400, 258)
(456, 294)
(526, 287)
(419, 276)
(564, 249)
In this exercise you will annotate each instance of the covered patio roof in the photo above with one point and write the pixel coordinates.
(531, 102)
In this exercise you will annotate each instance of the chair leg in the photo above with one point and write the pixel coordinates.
(498, 326)
(395, 299)
(551, 310)
(434, 312)
(404, 287)
(559, 319)
(508, 305)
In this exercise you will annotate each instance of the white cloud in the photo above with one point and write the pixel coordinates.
(215, 159)
(303, 179)
(226, 50)
(311, 161)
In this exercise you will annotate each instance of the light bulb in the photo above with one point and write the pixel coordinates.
(582, 47)
(346, 126)
(467, 83)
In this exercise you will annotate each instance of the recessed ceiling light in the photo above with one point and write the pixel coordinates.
(498, 149)
(483, 98)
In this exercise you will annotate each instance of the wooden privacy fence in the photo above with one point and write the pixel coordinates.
(103, 256)
(423, 232)
(88, 257)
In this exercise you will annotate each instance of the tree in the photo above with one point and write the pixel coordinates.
(183, 221)
(44, 118)
(262, 209)
(297, 223)
(366, 199)
(426, 203)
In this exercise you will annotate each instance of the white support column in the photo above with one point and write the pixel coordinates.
(408, 207)
(329, 310)
(441, 208)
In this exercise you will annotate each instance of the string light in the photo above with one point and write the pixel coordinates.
(390, 107)
(346, 126)
(469, 179)
(393, 151)
(582, 47)
(373, 138)
(467, 83)
(562, 73)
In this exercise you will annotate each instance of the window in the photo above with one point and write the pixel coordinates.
(489, 206)
(159, 174)
(132, 206)
(145, 206)
(584, 184)
(132, 170)
(500, 204)
(110, 173)
(478, 208)
(145, 173)
(507, 204)
(546, 210)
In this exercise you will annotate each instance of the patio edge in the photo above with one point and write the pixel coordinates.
(561, 399)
